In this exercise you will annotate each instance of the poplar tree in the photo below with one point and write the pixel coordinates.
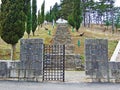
(12, 22)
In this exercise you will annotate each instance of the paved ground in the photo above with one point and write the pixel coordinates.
(8, 85)
(74, 81)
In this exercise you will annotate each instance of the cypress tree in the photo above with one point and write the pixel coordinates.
(71, 20)
(34, 16)
(12, 24)
(47, 16)
(77, 14)
(56, 11)
(39, 17)
(42, 14)
(66, 8)
(28, 25)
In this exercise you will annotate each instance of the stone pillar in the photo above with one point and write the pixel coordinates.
(96, 59)
(31, 54)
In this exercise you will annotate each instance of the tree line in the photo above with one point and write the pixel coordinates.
(79, 11)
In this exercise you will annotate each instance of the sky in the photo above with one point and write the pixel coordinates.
(49, 3)
(117, 2)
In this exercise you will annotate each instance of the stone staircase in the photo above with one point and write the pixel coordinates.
(63, 37)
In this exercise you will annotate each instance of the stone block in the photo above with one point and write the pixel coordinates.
(96, 58)
(3, 69)
(31, 54)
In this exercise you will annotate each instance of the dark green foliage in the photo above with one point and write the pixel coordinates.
(107, 23)
(29, 18)
(39, 17)
(42, 13)
(77, 14)
(12, 21)
(71, 20)
(48, 17)
(66, 8)
(117, 22)
(34, 16)
(75, 18)
(72, 11)
(53, 14)
(26, 6)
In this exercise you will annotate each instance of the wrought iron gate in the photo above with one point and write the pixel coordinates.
(53, 63)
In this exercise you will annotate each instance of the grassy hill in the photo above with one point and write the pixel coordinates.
(94, 32)
(5, 49)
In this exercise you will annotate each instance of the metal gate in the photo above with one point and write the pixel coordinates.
(54, 63)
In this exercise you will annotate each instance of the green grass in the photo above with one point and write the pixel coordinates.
(111, 47)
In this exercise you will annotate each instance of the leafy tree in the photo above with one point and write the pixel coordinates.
(12, 21)
(29, 18)
(34, 16)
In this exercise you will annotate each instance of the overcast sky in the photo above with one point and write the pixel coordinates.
(49, 3)
(117, 2)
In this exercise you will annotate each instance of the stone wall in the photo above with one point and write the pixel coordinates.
(6, 66)
(3, 69)
(31, 60)
(114, 68)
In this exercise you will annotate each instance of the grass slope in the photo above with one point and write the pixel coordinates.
(42, 33)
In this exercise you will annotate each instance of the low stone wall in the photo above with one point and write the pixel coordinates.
(69, 49)
(6, 65)
(114, 68)
(13, 69)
